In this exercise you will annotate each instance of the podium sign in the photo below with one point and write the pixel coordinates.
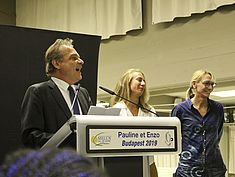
(118, 138)
(106, 136)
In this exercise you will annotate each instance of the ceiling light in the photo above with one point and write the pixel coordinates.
(228, 93)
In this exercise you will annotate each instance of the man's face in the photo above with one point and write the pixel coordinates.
(69, 68)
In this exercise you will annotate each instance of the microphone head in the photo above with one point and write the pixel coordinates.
(107, 90)
(77, 87)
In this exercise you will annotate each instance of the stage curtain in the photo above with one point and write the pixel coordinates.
(168, 10)
(97, 17)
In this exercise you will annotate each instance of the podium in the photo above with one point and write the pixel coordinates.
(125, 139)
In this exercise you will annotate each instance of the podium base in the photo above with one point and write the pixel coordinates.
(124, 166)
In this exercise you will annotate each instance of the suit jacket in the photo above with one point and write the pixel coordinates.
(44, 110)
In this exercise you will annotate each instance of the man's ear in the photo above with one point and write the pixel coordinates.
(56, 63)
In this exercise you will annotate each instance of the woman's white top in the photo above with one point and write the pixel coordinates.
(126, 112)
(147, 161)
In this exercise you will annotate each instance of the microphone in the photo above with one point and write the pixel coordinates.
(77, 88)
(73, 124)
(107, 90)
(139, 105)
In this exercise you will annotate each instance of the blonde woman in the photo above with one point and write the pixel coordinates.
(202, 126)
(132, 86)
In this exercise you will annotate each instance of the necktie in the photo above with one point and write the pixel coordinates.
(72, 95)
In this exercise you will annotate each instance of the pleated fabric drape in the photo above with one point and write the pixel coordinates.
(168, 10)
(97, 17)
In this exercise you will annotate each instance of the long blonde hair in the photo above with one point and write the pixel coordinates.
(123, 89)
(197, 77)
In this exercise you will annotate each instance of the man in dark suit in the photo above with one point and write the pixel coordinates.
(47, 106)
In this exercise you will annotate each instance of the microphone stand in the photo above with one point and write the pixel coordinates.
(139, 105)
(72, 124)
(77, 88)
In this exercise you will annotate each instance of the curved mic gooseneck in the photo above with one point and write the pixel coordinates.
(77, 88)
(139, 105)
(73, 124)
